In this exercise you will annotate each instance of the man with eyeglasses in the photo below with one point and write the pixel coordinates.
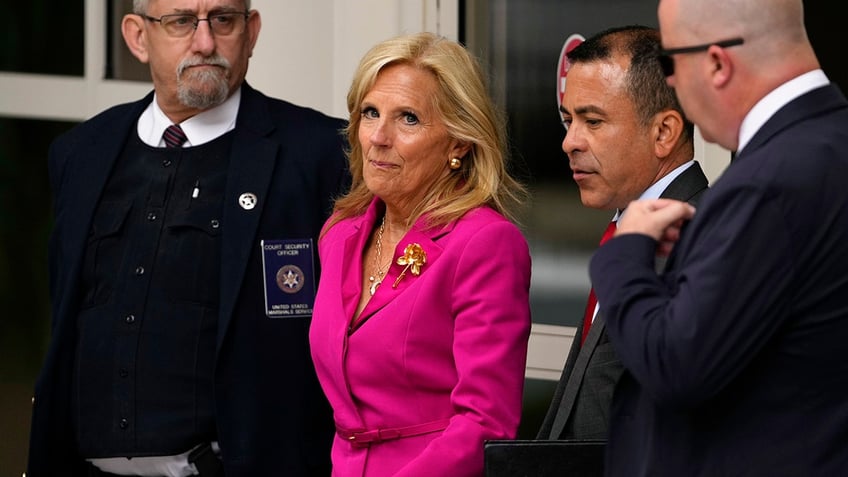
(183, 270)
(737, 352)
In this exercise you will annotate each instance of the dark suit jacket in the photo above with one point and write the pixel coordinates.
(736, 356)
(581, 403)
(271, 414)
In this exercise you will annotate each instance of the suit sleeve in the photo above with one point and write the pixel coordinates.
(686, 335)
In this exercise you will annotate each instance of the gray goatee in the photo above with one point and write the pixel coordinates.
(206, 88)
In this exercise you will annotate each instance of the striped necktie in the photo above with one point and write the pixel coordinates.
(174, 136)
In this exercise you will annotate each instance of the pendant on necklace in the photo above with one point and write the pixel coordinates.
(374, 284)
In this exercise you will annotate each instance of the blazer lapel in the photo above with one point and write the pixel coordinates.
(351, 269)
(249, 173)
(690, 186)
(575, 380)
(398, 278)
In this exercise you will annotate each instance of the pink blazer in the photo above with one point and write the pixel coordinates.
(438, 360)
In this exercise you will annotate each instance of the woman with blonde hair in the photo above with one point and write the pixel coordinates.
(419, 334)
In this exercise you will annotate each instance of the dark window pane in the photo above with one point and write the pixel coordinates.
(44, 37)
(535, 32)
(825, 31)
(25, 221)
(520, 41)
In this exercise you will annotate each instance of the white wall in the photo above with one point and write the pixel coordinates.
(308, 49)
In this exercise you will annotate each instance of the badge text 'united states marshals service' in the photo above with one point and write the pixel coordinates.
(289, 276)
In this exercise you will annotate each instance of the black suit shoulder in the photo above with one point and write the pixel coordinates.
(311, 118)
(304, 135)
(109, 125)
(291, 119)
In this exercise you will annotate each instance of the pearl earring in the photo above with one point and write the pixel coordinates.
(455, 163)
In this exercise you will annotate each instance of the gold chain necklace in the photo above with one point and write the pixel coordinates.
(379, 273)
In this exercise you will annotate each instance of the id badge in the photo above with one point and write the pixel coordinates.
(289, 273)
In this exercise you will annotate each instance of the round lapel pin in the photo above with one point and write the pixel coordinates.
(247, 201)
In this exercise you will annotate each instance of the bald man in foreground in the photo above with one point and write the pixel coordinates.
(735, 357)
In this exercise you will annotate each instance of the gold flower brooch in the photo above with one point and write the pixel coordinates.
(414, 258)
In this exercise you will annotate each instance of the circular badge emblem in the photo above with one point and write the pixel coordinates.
(247, 201)
(290, 279)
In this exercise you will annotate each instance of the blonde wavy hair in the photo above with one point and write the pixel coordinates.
(469, 114)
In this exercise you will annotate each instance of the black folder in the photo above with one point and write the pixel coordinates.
(537, 458)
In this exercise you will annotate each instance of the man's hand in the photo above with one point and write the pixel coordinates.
(661, 219)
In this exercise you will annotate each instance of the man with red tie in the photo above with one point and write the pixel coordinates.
(626, 138)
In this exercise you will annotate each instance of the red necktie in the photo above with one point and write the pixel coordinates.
(174, 136)
(593, 301)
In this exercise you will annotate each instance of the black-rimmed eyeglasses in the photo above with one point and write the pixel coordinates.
(180, 25)
(667, 61)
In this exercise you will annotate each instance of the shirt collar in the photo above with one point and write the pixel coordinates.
(779, 97)
(199, 129)
(656, 189)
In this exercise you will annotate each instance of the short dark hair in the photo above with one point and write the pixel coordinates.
(646, 83)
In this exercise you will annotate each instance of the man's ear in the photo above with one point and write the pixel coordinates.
(135, 36)
(669, 126)
(719, 65)
(254, 24)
